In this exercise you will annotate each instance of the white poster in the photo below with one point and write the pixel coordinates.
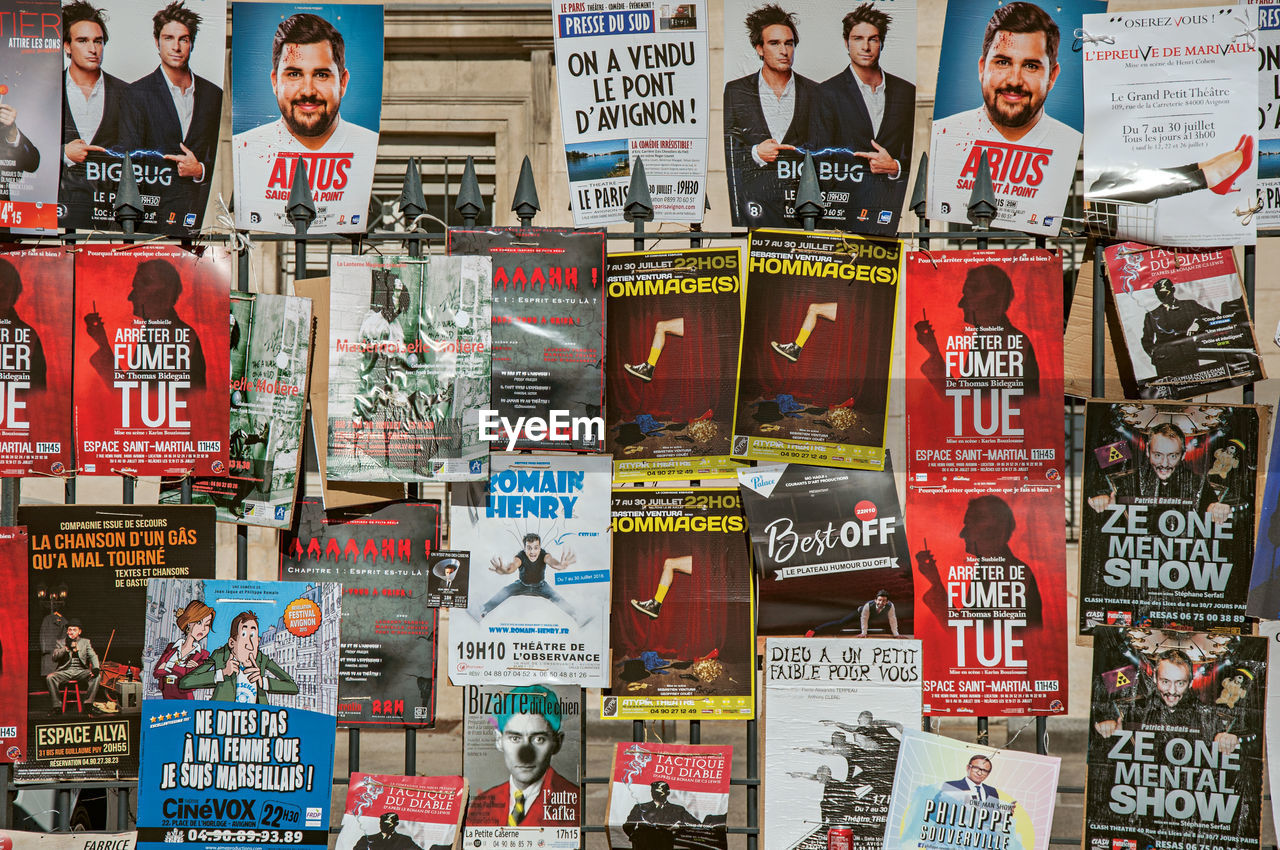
(538, 603)
(633, 85)
(1170, 156)
(835, 712)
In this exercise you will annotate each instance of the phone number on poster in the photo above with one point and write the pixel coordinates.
(251, 836)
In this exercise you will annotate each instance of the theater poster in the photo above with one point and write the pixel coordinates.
(633, 86)
(14, 634)
(1184, 319)
(308, 84)
(36, 292)
(425, 811)
(243, 641)
(675, 320)
(840, 707)
(270, 375)
(30, 132)
(409, 347)
(826, 541)
(984, 366)
(1175, 739)
(523, 738)
(70, 840)
(387, 661)
(669, 793)
(1170, 158)
(991, 589)
(1268, 35)
(680, 629)
(951, 795)
(217, 773)
(1168, 519)
(864, 162)
(817, 336)
(548, 336)
(171, 141)
(151, 374)
(538, 603)
(86, 612)
(1264, 583)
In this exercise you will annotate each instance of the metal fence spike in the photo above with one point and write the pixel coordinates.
(525, 204)
(809, 195)
(638, 205)
(919, 194)
(128, 204)
(982, 200)
(412, 201)
(470, 203)
(301, 206)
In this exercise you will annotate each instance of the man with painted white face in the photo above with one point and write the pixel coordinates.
(527, 731)
(309, 78)
(238, 671)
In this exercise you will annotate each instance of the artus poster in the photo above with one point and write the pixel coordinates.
(151, 377)
(991, 589)
(839, 708)
(951, 795)
(1175, 739)
(36, 291)
(308, 84)
(1167, 529)
(87, 609)
(124, 59)
(1170, 158)
(817, 335)
(30, 48)
(633, 86)
(270, 366)
(669, 794)
(984, 372)
(538, 603)
(263, 642)
(409, 348)
(548, 335)
(14, 634)
(1264, 582)
(1008, 89)
(831, 59)
(406, 812)
(1184, 320)
(680, 633)
(829, 549)
(387, 661)
(520, 755)
(216, 774)
(675, 319)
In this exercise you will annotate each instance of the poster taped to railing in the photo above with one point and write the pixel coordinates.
(1167, 525)
(673, 795)
(293, 66)
(633, 86)
(15, 635)
(1170, 157)
(403, 812)
(30, 132)
(675, 320)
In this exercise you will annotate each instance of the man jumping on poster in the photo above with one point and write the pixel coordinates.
(879, 613)
(239, 671)
(532, 562)
(644, 371)
(652, 607)
(840, 797)
(985, 300)
(75, 661)
(765, 113)
(791, 350)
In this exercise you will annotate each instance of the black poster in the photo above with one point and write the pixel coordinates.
(387, 664)
(87, 612)
(1175, 740)
(1168, 522)
(826, 542)
(548, 334)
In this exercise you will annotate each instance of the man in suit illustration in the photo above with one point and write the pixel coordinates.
(867, 113)
(176, 112)
(765, 114)
(76, 661)
(92, 102)
(238, 672)
(973, 787)
(527, 730)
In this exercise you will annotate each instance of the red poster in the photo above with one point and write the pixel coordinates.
(152, 368)
(35, 369)
(13, 642)
(991, 595)
(984, 366)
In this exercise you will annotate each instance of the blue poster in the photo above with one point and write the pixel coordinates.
(215, 774)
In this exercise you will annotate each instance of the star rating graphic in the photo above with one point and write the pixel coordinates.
(176, 715)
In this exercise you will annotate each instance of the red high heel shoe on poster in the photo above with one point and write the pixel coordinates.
(1245, 147)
